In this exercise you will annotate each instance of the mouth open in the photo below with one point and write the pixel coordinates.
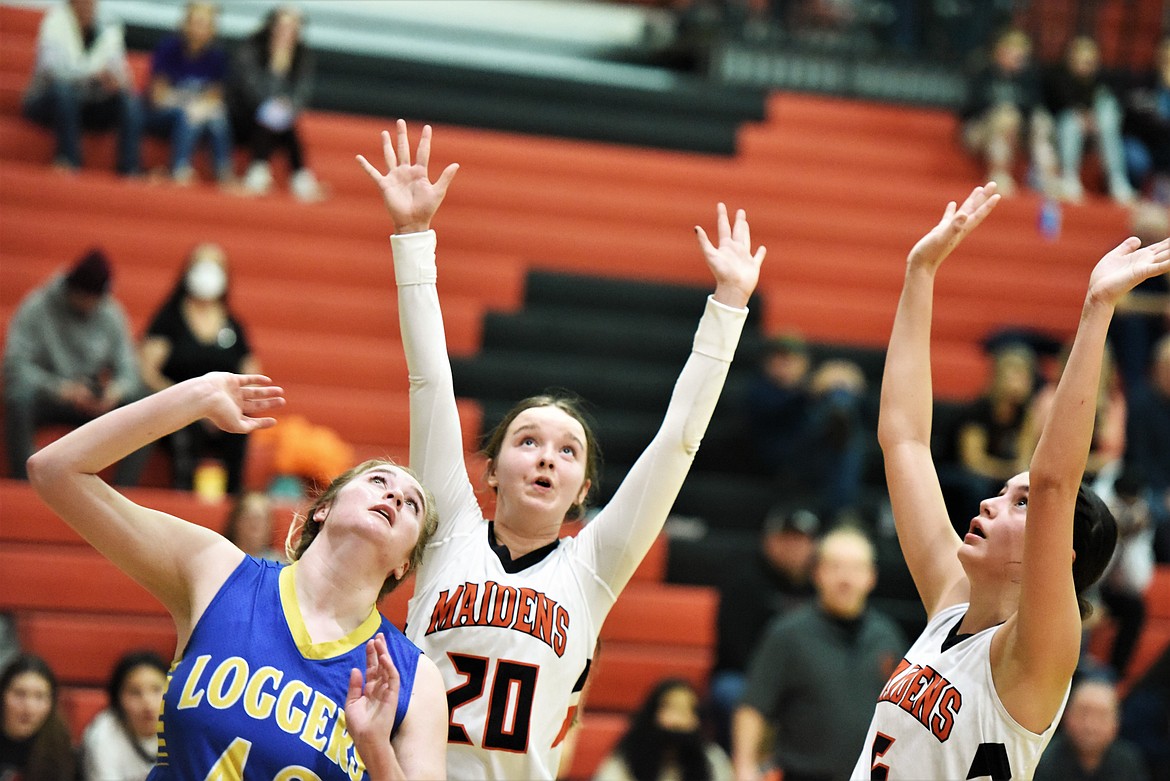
(543, 482)
(977, 531)
(384, 514)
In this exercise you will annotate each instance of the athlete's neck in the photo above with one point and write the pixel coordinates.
(520, 539)
(989, 607)
(334, 600)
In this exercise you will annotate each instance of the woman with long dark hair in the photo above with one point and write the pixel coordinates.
(665, 741)
(34, 739)
(270, 83)
(121, 742)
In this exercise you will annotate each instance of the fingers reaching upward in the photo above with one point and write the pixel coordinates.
(735, 266)
(410, 196)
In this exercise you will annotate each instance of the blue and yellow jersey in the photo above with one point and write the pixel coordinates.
(253, 697)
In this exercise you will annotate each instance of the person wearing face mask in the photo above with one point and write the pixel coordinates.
(121, 742)
(195, 332)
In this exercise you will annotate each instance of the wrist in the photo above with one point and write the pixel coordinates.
(401, 229)
(731, 295)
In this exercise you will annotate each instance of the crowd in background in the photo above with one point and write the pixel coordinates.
(69, 357)
(195, 93)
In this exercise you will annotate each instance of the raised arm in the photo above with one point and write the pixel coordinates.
(928, 541)
(619, 537)
(1043, 645)
(180, 563)
(436, 442)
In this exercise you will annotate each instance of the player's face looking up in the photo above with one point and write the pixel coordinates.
(385, 503)
(541, 464)
(996, 535)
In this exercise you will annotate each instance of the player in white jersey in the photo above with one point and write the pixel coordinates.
(979, 693)
(508, 611)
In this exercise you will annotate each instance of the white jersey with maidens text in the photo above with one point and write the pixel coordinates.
(939, 715)
(514, 639)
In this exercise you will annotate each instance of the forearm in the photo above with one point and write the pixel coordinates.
(747, 735)
(436, 438)
(1063, 448)
(907, 393)
(629, 524)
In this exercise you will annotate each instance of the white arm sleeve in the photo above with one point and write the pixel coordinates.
(617, 539)
(436, 441)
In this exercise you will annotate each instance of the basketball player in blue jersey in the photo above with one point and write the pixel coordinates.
(510, 612)
(267, 682)
(979, 694)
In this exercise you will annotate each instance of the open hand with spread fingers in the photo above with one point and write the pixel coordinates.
(370, 708)
(736, 268)
(410, 196)
(236, 403)
(1125, 266)
(957, 221)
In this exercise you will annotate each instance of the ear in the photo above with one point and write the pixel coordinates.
(321, 513)
(583, 492)
(400, 571)
(490, 475)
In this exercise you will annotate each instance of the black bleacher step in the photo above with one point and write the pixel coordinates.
(603, 382)
(650, 338)
(620, 296)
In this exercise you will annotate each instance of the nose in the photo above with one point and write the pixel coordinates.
(986, 507)
(394, 494)
(546, 457)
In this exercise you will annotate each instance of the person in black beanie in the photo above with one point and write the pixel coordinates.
(69, 358)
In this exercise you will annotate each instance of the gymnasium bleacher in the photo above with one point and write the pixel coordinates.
(837, 189)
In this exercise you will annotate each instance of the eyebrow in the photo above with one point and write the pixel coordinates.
(409, 488)
(532, 427)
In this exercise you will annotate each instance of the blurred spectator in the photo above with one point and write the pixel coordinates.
(775, 581)
(1147, 127)
(121, 742)
(1087, 748)
(9, 642)
(1143, 315)
(988, 438)
(1123, 586)
(34, 740)
(1108, 444)
(1083, 104)
(1004, 107)
(249, 526)
(665, 742)
(81, 81)
(185, 98)
(269, 85)
(807, 426)
(195, 332)
(1145, 716)
(816, 674)
(69, 359)
(1147, 449)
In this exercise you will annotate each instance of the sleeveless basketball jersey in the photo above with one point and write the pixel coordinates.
(516, 648)
(254, 698)
(939, 715)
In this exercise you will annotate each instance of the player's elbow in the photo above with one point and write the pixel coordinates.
(45, 470)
